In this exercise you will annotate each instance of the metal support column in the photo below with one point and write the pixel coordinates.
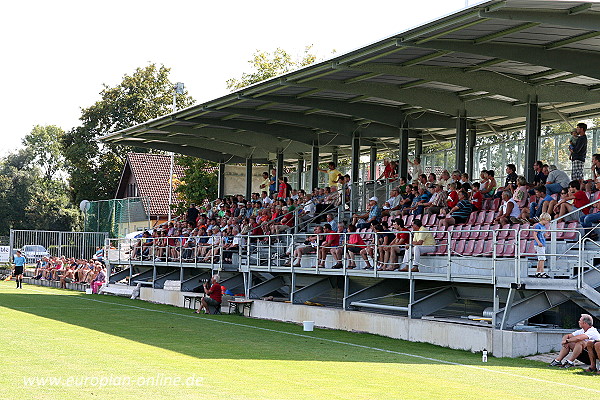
(532, 133)
(314, 167)
(418, 147)
(334, 156)
(403, 152)
(248, 178)
(471, 135)
(221, 186)
(372, 162)
(355, 161)
(279, 169)
(461, 142)
(299, 172)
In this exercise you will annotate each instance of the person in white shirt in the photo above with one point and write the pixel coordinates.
(266, 200)
(577, 343)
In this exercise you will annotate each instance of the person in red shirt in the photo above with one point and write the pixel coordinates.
(476, 197)
(212, 296)
(397, 246)
(282, 193)
(576, 198)
(452, 195)
(354, 245)
(330, 246)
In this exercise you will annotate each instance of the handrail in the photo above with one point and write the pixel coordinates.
(577, 209)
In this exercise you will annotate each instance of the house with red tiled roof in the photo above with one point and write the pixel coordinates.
(147, 175)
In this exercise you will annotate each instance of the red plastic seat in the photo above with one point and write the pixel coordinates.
(496, 204)
(442, 248)
(478, 248)
(472, 218)
(469, 247)
(509, 248)
(500, 248)
(455, 231)
(465, 231)
(489, 217)
(433, 219)
(425, 219)
(480, 217)
(488, 247)
(409, 220)
(503, 233)
(572, 226)
(475, 232)
(458, 246)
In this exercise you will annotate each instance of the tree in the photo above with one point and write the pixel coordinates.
(45, 146)
(30, 201)
(198, 184)
(95, 167)
(266, 65)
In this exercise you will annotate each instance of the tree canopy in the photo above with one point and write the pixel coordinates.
(265, 65)
(95, 167)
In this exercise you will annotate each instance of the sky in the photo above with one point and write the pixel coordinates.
(56, 55)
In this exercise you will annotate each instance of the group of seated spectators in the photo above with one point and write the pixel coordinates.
(216, 231)
(71, 270)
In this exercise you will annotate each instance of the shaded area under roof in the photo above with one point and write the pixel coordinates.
(486, 62)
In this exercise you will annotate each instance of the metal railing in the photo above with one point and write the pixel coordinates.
(503, 247)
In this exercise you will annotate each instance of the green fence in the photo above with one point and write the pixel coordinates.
(118, 217)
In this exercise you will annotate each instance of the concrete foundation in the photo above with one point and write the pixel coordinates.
(453, 335)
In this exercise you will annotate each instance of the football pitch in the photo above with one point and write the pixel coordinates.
(60, 344)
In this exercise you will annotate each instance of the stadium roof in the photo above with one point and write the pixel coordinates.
(485, 62)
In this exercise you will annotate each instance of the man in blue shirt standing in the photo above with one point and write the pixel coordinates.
(19, 261)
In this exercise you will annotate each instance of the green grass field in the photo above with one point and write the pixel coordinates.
(60, 344)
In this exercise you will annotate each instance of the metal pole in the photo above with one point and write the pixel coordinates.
(314, 166)
(532, 134)
(461, 142)
(171, 178)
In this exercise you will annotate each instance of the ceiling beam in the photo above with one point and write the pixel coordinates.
(247, 138)
(569, 60)
(231, 149)
(386, 115)
(513, 86)
(583, 20)
(295, 133)
(185, 150)
(444, 102)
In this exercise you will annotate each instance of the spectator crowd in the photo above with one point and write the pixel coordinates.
(218, 230)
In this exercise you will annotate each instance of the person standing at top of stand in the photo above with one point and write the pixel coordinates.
(332, 173)
(417, 168)
(578, 152)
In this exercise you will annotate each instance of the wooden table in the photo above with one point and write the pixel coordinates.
(238, 306)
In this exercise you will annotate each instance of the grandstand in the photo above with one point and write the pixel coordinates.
(498, 66)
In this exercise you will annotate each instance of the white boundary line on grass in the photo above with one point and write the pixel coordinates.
(331, 341)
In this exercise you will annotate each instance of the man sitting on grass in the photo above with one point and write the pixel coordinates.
(212, 296)
(577, 342)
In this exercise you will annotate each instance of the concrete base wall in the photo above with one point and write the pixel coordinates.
(446, 334)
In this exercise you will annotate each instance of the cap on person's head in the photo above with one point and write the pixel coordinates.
(374, 198)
